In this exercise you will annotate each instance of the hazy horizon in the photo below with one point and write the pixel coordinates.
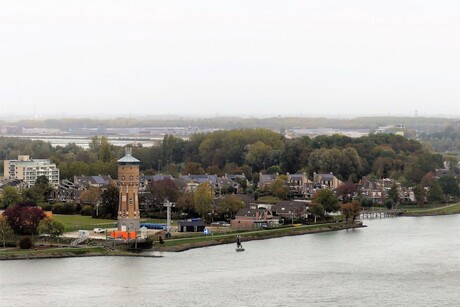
(334, 59)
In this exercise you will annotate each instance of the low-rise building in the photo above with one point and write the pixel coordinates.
(327, 180)
(86, 182)
(298, 184)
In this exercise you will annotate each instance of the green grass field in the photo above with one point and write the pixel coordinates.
(76, 222)
(449, 209)
(260, 233)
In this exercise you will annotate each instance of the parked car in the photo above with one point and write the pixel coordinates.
(99, 230)
(220, 224)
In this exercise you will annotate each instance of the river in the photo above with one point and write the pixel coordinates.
(405, 261)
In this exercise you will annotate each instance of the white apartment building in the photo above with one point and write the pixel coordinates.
(28, 170)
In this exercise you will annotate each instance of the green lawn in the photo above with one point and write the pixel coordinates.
(262, 233)
(76, 222)
(450, 209)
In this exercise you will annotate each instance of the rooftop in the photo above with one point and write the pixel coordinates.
(128, 158)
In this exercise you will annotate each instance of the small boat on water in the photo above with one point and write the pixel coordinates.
(239, 249)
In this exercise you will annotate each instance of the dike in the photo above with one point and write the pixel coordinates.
(259, 235)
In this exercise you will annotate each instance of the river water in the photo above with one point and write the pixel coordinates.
(403, 261)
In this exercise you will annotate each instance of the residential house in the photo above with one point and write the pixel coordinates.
(67, 191)
(291, 210)
(250, 218)
(266, 179)
(86, 182)
(226, 185)
(18, 184)
(190, 182)
(240, 178)
(298, 184)
(327, 180)
(146, 180)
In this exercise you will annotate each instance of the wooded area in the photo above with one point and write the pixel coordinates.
(251, 151)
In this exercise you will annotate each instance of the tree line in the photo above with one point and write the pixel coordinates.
(248, 151)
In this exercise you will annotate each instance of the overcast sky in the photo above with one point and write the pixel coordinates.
(236, 57)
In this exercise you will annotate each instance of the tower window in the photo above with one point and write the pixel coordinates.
(122, 177)
(130, 200)
(131, 177)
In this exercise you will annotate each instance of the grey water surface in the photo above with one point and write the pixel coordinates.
(405, 261)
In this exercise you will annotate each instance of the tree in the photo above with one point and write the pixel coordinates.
(449, 186)
(10, 196)
(351, 210)
(24, 218)
(185, 203)
(389, 203)
(327, 198)
(203, 199)
(258, 155)
(420, 194)
(105, 154)
(51, 228)
(366, 202)
(230, 205)
(5, 230)
(110, 198)
(346, 190)
(278, 187)
(40, 191)
(356, 210)
(435, 193)
(165, 189)
(193, 168)
(317, 210)
(347, 211)
(90, 196)
(393, 193)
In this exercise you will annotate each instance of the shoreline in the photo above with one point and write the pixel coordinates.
(246, 238)
(428, 214)
(38, 257)
(259, 235)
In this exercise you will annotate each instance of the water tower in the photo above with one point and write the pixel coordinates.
(128, 185)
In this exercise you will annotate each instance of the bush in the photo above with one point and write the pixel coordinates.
(389, 203)
(366, 202)
(26, 243)
(46, 206)
(64, 208)
(86, 210)
(58, 208)
(69, 208)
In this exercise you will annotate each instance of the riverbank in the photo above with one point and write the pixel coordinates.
(64, 252)
(180, 245)
(445, 210)
(173, 245)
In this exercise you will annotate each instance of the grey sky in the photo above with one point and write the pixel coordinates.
(234, 57)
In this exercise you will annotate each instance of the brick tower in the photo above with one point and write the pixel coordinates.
(128, 185)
